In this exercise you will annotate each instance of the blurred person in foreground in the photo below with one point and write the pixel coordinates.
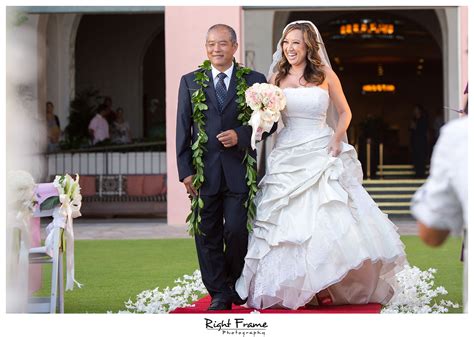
(440, 205)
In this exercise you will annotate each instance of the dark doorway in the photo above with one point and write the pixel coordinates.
(121, 56)
(154, 86)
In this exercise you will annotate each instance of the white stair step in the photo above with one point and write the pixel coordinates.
(394, 204)
(397, 211)
(393, 181)
(392, 189)
(391, 196)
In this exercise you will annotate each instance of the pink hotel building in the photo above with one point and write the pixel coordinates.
(131, 52)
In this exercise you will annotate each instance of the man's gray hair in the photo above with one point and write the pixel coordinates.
(233, 36)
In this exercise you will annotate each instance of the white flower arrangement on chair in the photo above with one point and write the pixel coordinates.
(66, 205)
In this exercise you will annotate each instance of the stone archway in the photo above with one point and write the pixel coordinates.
(263, 27)
(446, 28)
(410, 59)
(108, 57)
(435, 92)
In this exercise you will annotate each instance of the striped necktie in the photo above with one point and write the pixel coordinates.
(221, 90)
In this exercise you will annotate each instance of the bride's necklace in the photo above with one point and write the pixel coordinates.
(296, 75)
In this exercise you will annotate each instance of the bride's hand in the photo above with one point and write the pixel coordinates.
(334, 147)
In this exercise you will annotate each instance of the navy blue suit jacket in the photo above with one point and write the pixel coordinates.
(218, 158)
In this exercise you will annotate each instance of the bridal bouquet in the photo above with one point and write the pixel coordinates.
(266, 101)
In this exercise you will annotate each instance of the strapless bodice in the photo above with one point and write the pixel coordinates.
(305, 107)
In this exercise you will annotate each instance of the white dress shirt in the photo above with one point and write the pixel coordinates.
(101, 128)
(228, 72)
(442, 201)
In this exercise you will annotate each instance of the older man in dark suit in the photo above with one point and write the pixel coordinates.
(222, 247)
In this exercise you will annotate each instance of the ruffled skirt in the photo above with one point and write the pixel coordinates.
(316, 228)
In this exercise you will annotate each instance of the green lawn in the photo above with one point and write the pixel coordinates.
(445, 259)
(114, 271)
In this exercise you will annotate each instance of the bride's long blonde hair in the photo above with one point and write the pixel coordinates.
(313, 72)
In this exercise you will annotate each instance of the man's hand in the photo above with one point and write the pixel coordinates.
(188, 183)
(228, 138)
(432, 236)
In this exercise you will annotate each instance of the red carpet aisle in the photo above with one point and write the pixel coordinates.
(202, 304)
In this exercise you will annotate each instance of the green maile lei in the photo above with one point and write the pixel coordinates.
(198, 99)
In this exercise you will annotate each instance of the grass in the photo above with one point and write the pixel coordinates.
(113, 271)
(445, 259)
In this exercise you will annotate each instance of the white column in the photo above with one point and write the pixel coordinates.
(464, 50)
(61, 36)
(450, 28)
(258, 42)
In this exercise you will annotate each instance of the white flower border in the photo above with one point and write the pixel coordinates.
(415, 295)
(187, 290)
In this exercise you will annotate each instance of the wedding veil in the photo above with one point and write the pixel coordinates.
(332, 116)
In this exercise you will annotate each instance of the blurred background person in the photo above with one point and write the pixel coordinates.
(53, 127)
(120, 130)
(111, 114)
(419, 140)
(440, 205)
(98, 126)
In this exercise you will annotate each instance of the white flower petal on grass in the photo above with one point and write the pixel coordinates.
(188, 289)
(416, 293)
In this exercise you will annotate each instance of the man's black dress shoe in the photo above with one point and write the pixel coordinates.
(220, 304)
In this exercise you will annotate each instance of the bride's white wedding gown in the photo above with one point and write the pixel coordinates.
(316, 226)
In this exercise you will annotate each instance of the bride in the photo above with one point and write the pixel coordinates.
(318, 237)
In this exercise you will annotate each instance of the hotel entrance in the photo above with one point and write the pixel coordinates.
(390, 66)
